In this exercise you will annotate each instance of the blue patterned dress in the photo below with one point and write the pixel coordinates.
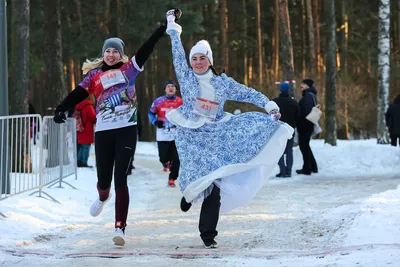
(235, 152)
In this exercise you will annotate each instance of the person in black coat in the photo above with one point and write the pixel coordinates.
(393, 121)
(305, 127)
(289, 110)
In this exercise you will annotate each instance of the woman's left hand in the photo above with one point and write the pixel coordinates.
(173, 15)
(275, 115)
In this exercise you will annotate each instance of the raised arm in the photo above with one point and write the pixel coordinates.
(147, 48)
(178, 52)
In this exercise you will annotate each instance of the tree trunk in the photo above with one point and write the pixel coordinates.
(317, 42)
(55, 84)
(343, 67)
(286, 47)
(259, 46)
(303, 39)
(276, 41)
(79, 13)
(311, 43)
(224, 35)
(245, 57)
(19, 58)
(19, 85)
(330, 79)
(71, 74)
(384, 69)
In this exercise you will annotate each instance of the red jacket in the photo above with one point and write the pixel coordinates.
(89, 120)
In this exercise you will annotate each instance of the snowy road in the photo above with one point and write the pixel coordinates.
(293, 216)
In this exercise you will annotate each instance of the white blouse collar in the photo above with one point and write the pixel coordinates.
(205, 76)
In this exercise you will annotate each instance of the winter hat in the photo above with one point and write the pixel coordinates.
(170, 82)
(202, 47)
(309, 82)
(114, 43)
(284, 87)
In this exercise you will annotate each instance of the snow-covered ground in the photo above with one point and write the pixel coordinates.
(346, 215)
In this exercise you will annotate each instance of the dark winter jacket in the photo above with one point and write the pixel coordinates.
(306, 103)
(289, 109)
(393, 117)
(88, 119)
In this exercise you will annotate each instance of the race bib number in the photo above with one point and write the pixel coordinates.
(111, 78)
(206, 108)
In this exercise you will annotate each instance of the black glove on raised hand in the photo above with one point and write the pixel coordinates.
(173, 14)
(159, 124)
(59, 116)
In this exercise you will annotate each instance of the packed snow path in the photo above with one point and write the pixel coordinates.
(302, 213)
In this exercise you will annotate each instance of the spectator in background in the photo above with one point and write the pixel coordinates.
(393, 121)
(85, 137)
(290, 111)
(305, 127)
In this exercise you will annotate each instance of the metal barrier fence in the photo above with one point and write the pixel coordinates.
(59, 151)
(35, 152)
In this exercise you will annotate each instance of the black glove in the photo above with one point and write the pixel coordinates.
(176, 12)
(59, 116)
(159, 124)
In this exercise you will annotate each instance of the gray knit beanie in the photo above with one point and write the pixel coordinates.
(114, 43)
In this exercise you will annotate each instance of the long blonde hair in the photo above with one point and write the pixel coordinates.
(98, 62)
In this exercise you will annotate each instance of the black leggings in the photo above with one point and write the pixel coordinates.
(168, 153)
(115, 146)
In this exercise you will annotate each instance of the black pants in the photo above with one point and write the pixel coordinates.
(209, 215)
(114, 150)
(168, 153)
(287, 168)
(393, 140)
(308, 157)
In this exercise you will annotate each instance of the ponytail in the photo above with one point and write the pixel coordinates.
(215, 71)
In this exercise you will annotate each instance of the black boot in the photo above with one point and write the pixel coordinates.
(303, 172)
(85, 165)
(184, 205)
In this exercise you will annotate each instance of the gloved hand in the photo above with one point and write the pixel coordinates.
(159, 124)
(59, 116)
(173, 15)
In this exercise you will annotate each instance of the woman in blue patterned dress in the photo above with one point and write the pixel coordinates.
(225, 158)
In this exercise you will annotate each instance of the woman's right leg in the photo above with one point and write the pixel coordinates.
(124, 150)
(105, 156)
(209, 216)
